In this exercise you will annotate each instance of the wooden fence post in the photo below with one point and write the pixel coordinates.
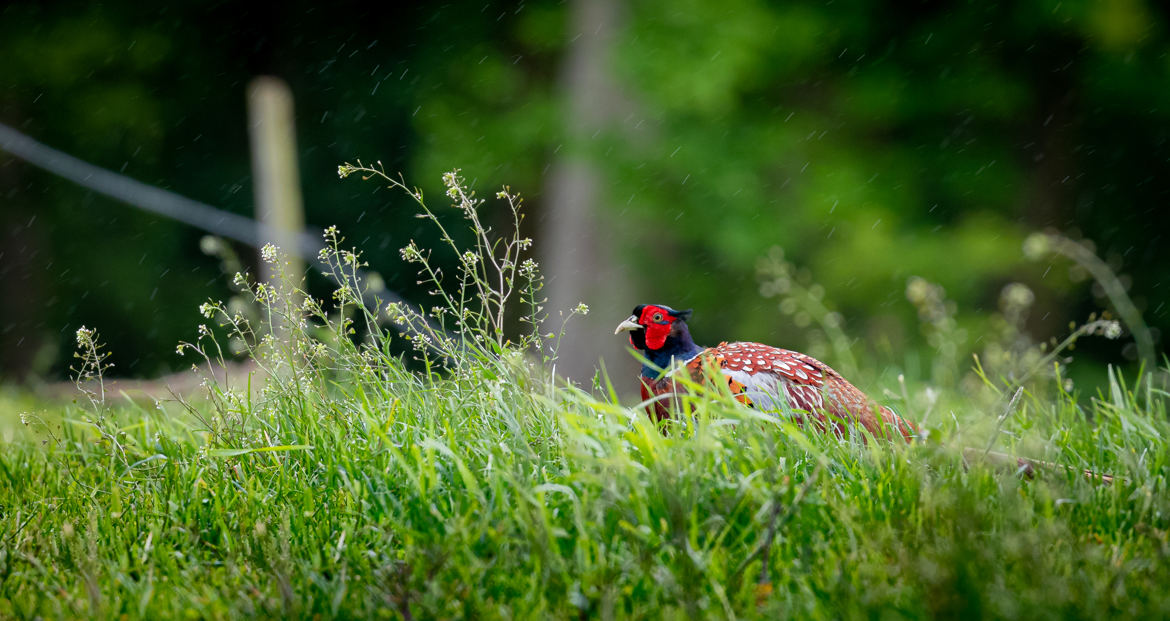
(276, 182)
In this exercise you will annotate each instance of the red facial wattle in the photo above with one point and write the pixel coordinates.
(657, 322)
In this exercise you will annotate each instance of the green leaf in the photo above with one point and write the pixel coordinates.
(232, 452)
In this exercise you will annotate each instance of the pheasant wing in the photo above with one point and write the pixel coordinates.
(771, 378)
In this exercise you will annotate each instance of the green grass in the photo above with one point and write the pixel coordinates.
(464, 482)
(496, 495)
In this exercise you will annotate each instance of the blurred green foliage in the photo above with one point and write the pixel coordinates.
(873, 141)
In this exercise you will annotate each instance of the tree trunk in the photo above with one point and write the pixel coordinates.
(576, 240)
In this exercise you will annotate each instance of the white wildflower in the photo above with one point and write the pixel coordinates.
(210, 244)
(1017, 295)
(1037, 245)
(410, 253)
(84, 336)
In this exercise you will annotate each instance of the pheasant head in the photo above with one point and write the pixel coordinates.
(661, 335)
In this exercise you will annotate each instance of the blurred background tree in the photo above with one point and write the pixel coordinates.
(663, 148)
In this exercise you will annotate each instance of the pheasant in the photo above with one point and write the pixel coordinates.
(760, 376)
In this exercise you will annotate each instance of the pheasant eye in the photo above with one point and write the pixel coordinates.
(657, 317)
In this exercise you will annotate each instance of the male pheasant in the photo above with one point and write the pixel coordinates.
(759, 376)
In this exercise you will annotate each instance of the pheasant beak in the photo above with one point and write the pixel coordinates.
(629, 325)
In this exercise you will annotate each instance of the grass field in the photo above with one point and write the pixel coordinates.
(464, 482)
(497, 495)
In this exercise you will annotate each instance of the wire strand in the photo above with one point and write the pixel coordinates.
(166, 203)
